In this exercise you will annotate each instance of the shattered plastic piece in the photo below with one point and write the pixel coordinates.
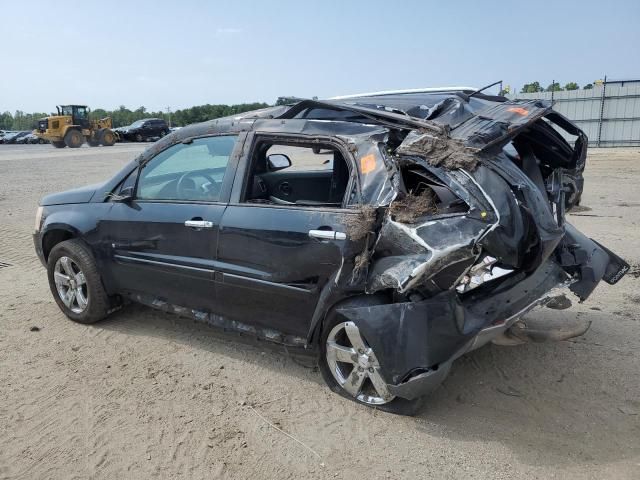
(483, 271)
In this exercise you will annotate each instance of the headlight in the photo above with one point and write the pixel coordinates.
(38, 218)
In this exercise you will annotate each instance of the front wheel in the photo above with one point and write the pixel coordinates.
(74, 139)
(350, 368)
(107, 137)
(139, 137)
(75, 282)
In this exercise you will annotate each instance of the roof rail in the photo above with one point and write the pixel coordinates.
(408, 90)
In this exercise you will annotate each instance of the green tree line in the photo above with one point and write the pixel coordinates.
(535, 87)
(124, 116)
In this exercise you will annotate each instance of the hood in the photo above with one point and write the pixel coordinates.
(77, 195)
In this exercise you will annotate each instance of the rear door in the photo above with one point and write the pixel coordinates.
(276, 259)
(162, 243)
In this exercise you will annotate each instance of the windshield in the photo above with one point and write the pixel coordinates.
(139, 123)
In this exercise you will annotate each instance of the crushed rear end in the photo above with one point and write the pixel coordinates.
(469, 230)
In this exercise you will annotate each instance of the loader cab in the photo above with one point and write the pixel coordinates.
(78, 113)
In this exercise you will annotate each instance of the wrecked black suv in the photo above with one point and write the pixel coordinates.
(389, 233)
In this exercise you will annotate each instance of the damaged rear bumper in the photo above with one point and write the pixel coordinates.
(417, 342)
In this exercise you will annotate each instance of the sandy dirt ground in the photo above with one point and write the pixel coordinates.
(149, 395)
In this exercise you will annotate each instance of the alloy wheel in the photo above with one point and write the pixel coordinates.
(354, 365)
(71, 284)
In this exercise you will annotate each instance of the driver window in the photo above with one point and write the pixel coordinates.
(193, 171)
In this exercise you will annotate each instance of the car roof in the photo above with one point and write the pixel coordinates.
(406, 91)
(396, 108)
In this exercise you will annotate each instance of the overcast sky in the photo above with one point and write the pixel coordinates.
(184, 53)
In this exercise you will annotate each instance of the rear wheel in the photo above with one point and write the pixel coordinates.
(75, 282)
(58, 144)
(107, 137)
(350, 368)
(74, 139)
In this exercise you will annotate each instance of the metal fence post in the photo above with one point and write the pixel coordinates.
(602, 99)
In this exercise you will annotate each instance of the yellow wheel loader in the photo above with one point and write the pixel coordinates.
(71, 127)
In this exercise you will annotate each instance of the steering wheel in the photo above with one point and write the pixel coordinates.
(184, 190)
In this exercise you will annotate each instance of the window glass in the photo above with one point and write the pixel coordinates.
(193, 171)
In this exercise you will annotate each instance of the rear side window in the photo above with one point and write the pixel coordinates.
(297, 173)
(193, 171)
(305, 158)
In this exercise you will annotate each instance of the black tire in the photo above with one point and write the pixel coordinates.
(93, 143)
(74, 138)
(97, 306)
(398, 406)
(107, 137)
(41, 141)
(58, 144)
(139, 137)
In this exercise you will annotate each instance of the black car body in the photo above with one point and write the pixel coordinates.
(432, 223)
(143, 130)
(15, 137)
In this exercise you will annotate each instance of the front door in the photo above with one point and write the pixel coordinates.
(163, 242)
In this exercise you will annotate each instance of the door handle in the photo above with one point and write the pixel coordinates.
(198, 224)
(327, 235)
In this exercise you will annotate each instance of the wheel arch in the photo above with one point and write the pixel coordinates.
(331, 302)
(55, 235)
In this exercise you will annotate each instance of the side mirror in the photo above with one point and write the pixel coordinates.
(278, 161)
(125, 195)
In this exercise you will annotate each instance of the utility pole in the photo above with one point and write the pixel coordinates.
(601, 117)
(169, 113)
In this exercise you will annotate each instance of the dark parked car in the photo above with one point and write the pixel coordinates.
(143, 130)
(15, 137)
(30, 138)
(387, 234)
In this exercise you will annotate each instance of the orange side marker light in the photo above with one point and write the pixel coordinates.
(519, 110)
(367, 164)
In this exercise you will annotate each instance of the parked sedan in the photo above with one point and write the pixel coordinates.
(30, 138)
(15, 137)
(387, 234)
(143, 130)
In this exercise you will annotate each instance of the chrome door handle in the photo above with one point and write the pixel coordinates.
(198, 224)
(327, 235)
